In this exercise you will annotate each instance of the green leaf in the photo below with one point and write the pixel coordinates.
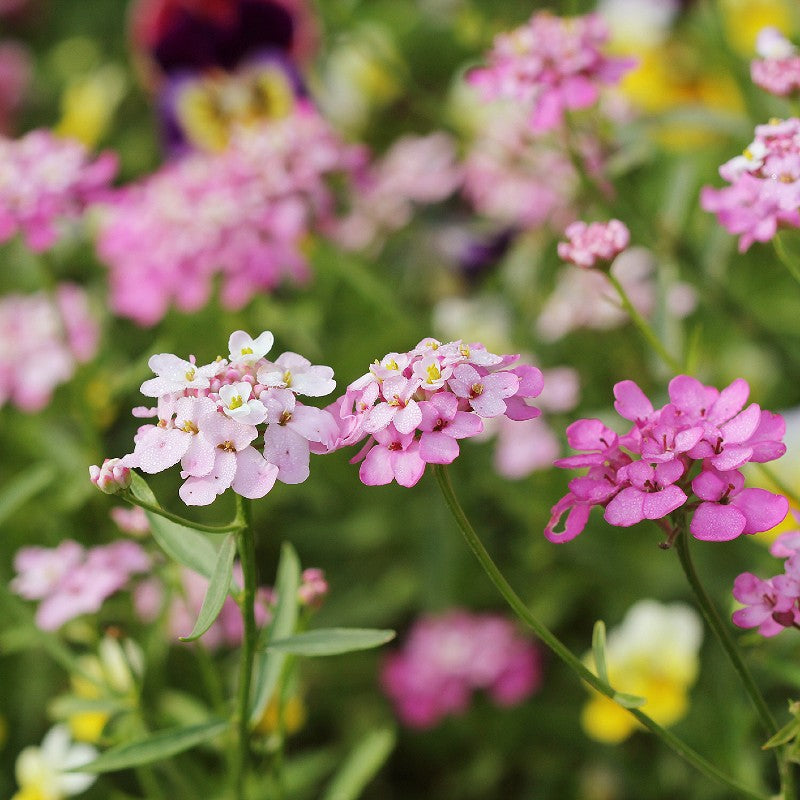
(22, 488)
(784, 735)
(331, 641)
(361, 765)
(67, 705)
(269, 665)
(599, 650)
(217, 589)
(629, 700)
(185, 545)
(158, 747)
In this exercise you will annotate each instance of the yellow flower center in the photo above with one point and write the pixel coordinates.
(236, 402)
(434, 373)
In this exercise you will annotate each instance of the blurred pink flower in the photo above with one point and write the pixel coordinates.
(47, 182)
(70, 581)
(446, 658)
(778, 69)
(550, 65)
(243, 214)
(596, 244)
(58, 331)
(16, 68)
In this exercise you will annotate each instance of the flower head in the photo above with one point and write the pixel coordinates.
(550, 65)
(415, 406)
(595, 244)
(209, 417)
(693, 447)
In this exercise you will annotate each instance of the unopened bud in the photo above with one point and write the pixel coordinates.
(112, 477)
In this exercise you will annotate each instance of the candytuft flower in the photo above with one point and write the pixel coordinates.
(550, 65)
(209, 417)
(693, 447)
(415, 406)
(596, 244)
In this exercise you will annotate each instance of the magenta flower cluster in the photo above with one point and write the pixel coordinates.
(446, 658)
(778, 69)
(764, 191)
(46, 182)
(550, 65)
(690, 455)
(415, 406)
(208, 420)
(70, 580)
(594, 244)
(243, 214)
(56, 332)
(772, 605)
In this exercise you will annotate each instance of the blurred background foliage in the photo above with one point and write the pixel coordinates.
(391, 553)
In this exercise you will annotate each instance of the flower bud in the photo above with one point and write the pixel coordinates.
(112, 477)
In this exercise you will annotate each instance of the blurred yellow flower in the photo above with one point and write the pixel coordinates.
(653, 654)
(743, 19)
(294, 716)
(89, 103)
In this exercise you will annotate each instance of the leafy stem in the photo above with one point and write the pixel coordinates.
(723, 635)
(565, 654)
(237, 524)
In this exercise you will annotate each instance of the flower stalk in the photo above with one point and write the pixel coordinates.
(565, 654)
(245, 540)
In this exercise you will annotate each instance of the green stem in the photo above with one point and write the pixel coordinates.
(231, 527)
(247, 557)
(565, 654)
(723, 635)
(644, 328)
(785, 258)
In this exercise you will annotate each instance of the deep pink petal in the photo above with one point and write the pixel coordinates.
(577, 517)
(743, 425)
(762, 509)
(408, 466)
(713, 522)
(631, 402)
(438, 448)
(659, 504)
(626, 509)
(376, 468)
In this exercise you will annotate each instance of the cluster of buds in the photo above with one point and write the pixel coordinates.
(208, 420)
(695, 445)
(594, 245)
(415, 406)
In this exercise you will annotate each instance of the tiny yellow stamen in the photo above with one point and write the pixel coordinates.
(464, 350)
(236, 402)
(190, 427)
(391, 364)
(476, 389)
(748, 154)
(247, 351)
(190, 374)
(285, 417)
(287, 378)
(434, 373)
(227, 446)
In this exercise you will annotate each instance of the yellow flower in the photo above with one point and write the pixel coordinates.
(294, 716)
(89, 102)
(743, 19)
(652, 654)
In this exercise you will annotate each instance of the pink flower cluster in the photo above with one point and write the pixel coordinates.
(595, 244)
(55, 332)
(448, 657)
(208, 418)
(778, 69)
(696, 444)
(550, 65)
(765, 185)
(243, 214)
(772, 605)
(70, 580)
(415, 170)
(415, 406)
(47, 181)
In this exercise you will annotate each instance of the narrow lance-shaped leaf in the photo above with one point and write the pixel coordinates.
(361, 766)
(268, 665)
(217, 590)
(331, 641)
(158, 747)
